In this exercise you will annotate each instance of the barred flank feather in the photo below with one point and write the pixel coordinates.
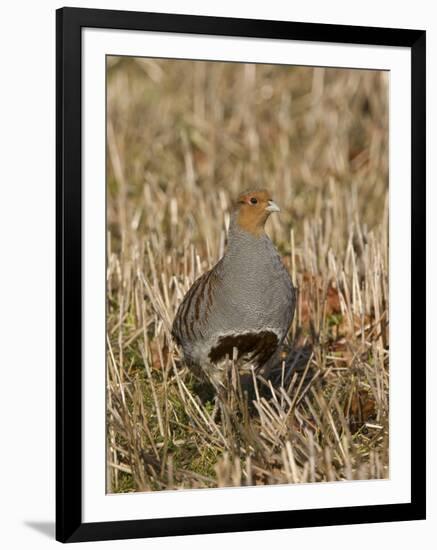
(189, 312)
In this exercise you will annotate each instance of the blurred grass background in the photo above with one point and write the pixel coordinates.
(183, 139)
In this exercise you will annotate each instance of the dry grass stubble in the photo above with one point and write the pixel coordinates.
(183, 139)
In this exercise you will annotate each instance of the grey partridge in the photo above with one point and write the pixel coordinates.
(246, 301)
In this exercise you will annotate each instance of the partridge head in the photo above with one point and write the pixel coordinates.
(253, 209)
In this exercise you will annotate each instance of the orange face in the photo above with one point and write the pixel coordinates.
(254, 207)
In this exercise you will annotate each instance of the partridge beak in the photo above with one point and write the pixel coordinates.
(272, 207)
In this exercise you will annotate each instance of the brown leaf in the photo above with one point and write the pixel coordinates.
(312, 290)
(362, 409)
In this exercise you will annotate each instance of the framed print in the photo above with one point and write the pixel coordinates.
(240, 275)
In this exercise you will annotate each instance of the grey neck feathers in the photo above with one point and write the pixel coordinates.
(244, 246)
(238, 236)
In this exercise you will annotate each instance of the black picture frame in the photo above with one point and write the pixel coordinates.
(69, 23)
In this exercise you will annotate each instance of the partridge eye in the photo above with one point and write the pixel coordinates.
(253, 200)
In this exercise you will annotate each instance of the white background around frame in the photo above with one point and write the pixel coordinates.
(100, 507)
(28, 260)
